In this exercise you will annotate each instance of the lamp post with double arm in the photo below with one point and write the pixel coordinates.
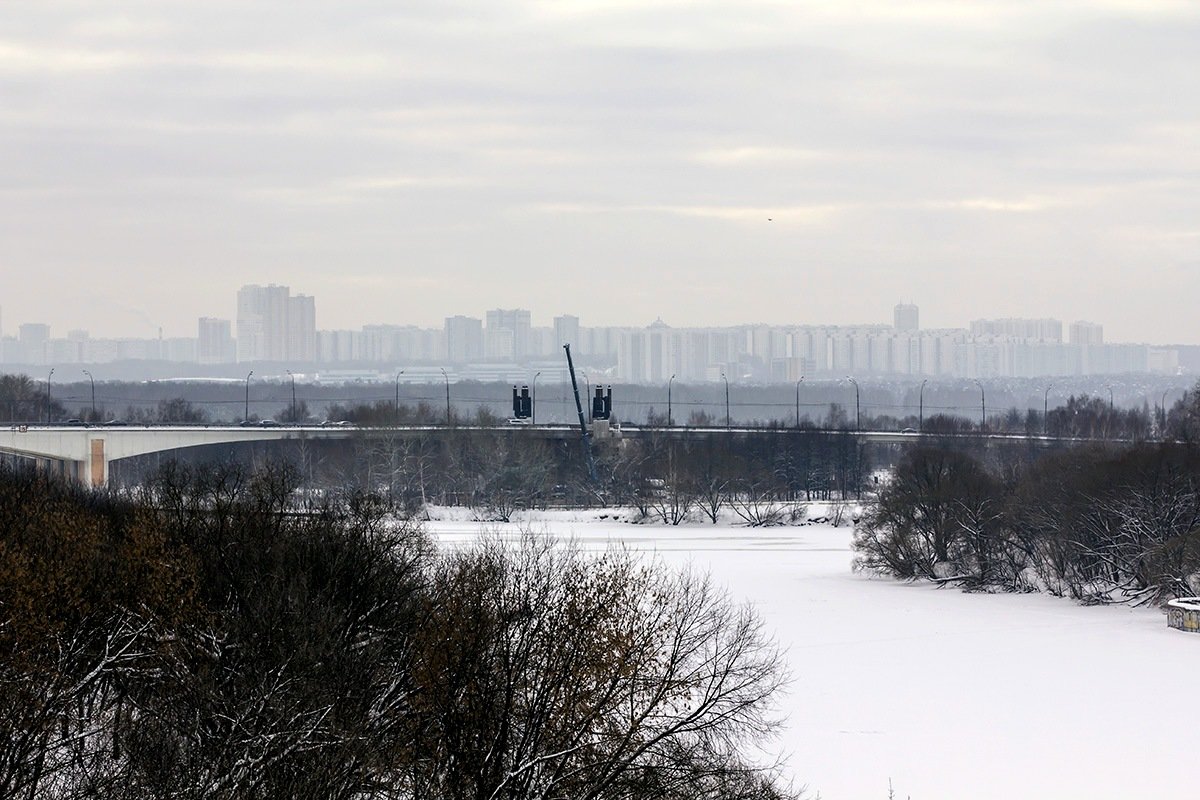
(292, 375)
(727, 423)
(588, 383)
(93, 383)
(533, 400)
(669, 382)
(1046, 410)
(396, 409)
(48, 377)
(921, 407)
(982, 407)
(446, 378)
(246, 416)
(857, 405)
(798, 400)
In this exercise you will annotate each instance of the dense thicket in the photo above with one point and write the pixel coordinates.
(1096, 524)
(498, 473)
(212, 637)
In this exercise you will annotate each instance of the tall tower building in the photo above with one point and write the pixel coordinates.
(301, 326)
(1088, 333)
(464, 339)
(1041, 330)
(214, 341)
(566, 331)
(34, 337)
(503, 325)
(251, 323)
(274, 326)
(907, 317)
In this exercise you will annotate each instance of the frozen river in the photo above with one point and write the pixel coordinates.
(945, 694)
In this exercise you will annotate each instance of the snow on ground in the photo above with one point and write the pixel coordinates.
(947, 694)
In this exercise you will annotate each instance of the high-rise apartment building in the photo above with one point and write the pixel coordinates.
(507, 334)
(251, 323)
(1041, 330)
(34, 337)
(464, 339)
(301, 344)
(1086, 333)
(566, 331)
(272, 325)
(907, 317)
(214, 341)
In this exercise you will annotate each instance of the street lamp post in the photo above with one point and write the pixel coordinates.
(1046, 410)
(533, 400)
(293, 377)
(588, 383)
(1162, 405)
(48, 377)
(396, 409)
(798, 400)
(982, 407)
(857, 405)
(727, 424)
(246, 416)
(669, 382)
(921, 408)
(447, 379)
(1108, 422)
(93, 383)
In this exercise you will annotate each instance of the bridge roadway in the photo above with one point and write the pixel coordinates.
(85, 452)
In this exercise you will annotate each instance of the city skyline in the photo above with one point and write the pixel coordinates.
(540, 319)
(715, 163)
(273, 326)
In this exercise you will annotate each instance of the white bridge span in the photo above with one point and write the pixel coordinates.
(84, 453)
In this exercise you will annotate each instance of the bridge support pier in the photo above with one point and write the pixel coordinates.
(94, 471)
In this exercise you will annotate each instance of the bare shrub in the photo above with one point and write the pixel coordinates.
(556, 674)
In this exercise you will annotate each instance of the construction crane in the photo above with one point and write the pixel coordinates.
(585, 434)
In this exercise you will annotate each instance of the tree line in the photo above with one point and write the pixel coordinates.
(884, 407)
(1098, 524)
(498, 473)
(219, 633)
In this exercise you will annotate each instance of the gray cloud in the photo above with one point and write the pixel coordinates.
(407, 163)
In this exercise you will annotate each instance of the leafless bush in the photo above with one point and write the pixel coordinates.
(561, 675)
(755, 503)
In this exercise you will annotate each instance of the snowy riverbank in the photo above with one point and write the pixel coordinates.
(949, 695)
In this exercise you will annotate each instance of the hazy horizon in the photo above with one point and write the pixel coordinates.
(709, 163)
(143, 326)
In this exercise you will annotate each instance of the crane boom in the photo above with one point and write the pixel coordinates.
(585, 434)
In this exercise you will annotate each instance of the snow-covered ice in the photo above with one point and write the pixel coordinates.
(947, 694)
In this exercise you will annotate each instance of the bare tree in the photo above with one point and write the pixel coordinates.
(561, 675)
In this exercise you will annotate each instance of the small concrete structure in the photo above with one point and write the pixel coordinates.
(1184, 614)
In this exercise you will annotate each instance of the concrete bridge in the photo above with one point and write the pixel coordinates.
(85, 452)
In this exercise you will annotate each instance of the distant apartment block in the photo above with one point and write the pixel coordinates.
(1040, 330)
(507, 334)
(566, 331)
(464, 339)
(907, 317)
(274, 325)
(214, 341)
(1086, 333)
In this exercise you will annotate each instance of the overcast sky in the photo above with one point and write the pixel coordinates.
(706, 162)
